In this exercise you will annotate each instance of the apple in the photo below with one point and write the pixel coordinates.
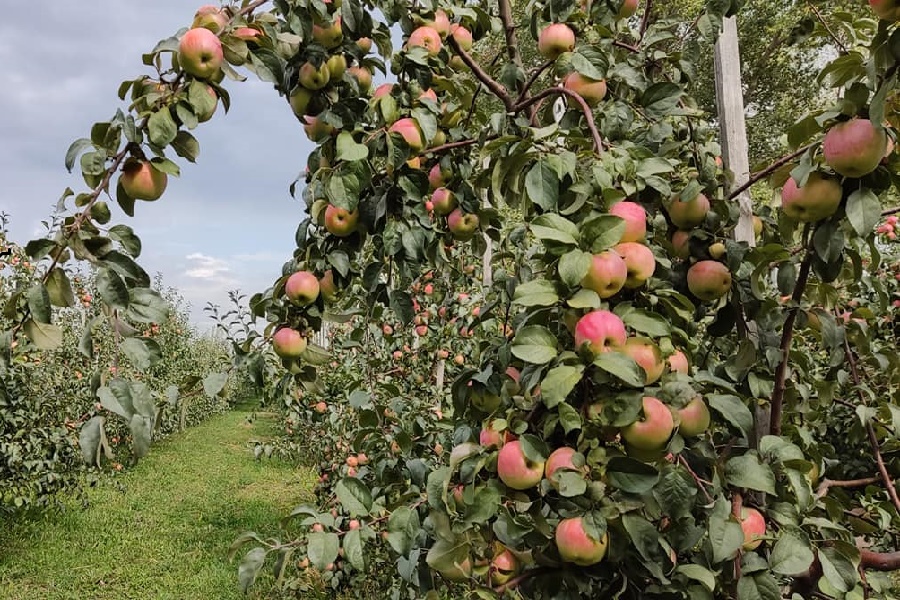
(889, 10)
(592, 90)
(382, 90)
(757, 226)
(515, 469)
(364, 44)
(313, 77)
(462, 37)
(302, 288)
(606, 275)
(206, 115)
(678, 363)
(142, 181)
(327, 286)
(441, 23)
(299, 101)
(709, 280)
(504, 567)
(490, 437)
(556, 39)
(647, 355)
(317, 129)
(817, 200)
(337, 65)
(854, 148)
(654, 430)
(444, 201)
(408, 129)
(694, 418)
(437, 177)
(458, 572)
(717, 250)
(339, 221)
(576, 546)
(635, 220)
(426, 37)
(681, 243)
(210, 17)
(601, 330)
(363, 77)
(331, 36)
(561, 458)
(428, 94)
(627, 10)
(639, 261)
(690, 213)
(754, 526)
(288, 343)
(200, 53)
(247, 34)
(462, 225)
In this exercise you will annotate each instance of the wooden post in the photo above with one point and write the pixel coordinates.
(735, 156)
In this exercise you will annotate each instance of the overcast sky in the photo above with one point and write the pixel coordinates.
(228, 222)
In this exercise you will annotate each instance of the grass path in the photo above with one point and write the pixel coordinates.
(161, 530)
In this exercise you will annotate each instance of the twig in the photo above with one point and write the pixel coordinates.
(737, 504)
(533, 78)
(787, 337)
(628, 47)
(451, 146)
(512, 583)
(697, 480)
(827, 484)
(890, 211)
(879, 561)
(645, 20)
(588, 114)
(492, 84)
(828, 29)
(756, 177)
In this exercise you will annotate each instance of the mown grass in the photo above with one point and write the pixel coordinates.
(162, 529)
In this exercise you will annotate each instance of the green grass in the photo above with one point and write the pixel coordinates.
(162, 529)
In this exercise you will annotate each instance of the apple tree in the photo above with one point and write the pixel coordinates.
(647, 406)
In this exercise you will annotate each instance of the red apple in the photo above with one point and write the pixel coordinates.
(440, 23)
(640, 262)
(330, 36)
(561, 458)
(504, 567)
(889, 10)
(635, 220)
(592, 90)
(709, 280)
(817, 200)
(694, 418)
(317, 129)
(210, 17)
(288, 343)
(754, 526)
(437, 177)
(678, 363)
(462, 225)
(601, 330)
(627, 10)
(515, 470)
(462, 37)
(327, 287)
(302, 288)
(556, 39)
(444, 201)
(681, 243)
(142, 181)
(247, 34)
(313, 77)
(382, 90)
(654, 430)
(200, 53)
(364, 44)
(339, 221)
(606, 275)
(854, 148)
(576, 546)
(647, 355)
(363, 77)
(426, 37)
(408, 129)
(690, 213)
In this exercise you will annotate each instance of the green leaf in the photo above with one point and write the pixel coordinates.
(602, 232)
(162, 128)
(250, 567)
(648, 323)
(534, 344)
(348, 149)
(621, 367)
(214, 383)
(863, 211)
(559, 382)
(660, 98)
(403, 529)
(698, 573)
(584, 299)
(60, 289)
(143, 353)
(569, 418)
(725, 534)
(322, 547)
(354, 496)
(542, 185)
(838, 568)
(146, 306)
(584, 66)
(759, 586)
(43, 335)
(631, 475)
(186, 146)
(353, 549)
(39, 303)
(36, 249)
(77, 147)
(537, 292)
(90, 440)
(791, 555)
(748, 472)
(112, 289)
(644, 536)
(573, 266)
(733, 410)
(140, 436)
(116, 398)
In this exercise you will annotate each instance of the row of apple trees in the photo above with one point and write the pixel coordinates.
(631, 414)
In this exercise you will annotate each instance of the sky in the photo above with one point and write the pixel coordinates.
(227, 223)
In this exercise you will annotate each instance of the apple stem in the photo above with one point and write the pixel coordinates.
(737, 504)
(696, 479)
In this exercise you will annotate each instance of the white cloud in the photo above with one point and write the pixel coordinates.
(207, 267)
